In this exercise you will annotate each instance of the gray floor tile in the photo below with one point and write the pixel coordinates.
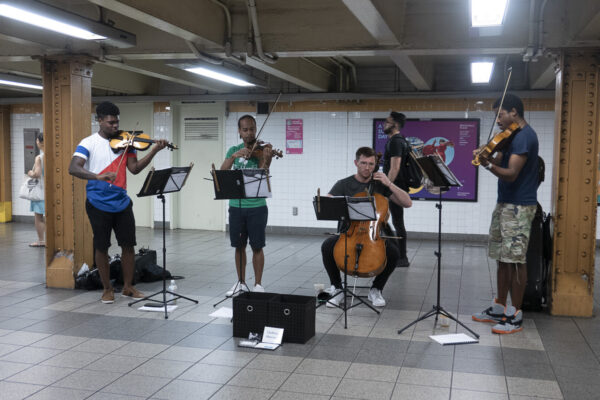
(162, 368)
(116, 363)
(41, 375)
(17, 391)
(87, 380)
(136, 385)
(210, 373)
(311, 384)
(184, 390)
(259, 379)
(53, 393)
(414, 392)
(235, 392)
(363, 389)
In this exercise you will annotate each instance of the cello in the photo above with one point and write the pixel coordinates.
(362, 245)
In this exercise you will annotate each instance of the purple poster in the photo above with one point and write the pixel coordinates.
(453, 139)
(293, 136)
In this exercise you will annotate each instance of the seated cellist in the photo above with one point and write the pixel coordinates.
(365, 179)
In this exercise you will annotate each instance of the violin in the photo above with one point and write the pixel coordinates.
(136, 139)
(498, 142)
(364, 243)
(258, 147)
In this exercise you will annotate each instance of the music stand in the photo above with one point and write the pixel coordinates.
(345, 210)
(436, 170)
(240, 184)
(157, 183)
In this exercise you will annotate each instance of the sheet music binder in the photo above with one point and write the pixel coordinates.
(166, 180)
(437, 171)
(453, 338)
(241, 184)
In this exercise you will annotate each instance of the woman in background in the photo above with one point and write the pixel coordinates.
(38, 206)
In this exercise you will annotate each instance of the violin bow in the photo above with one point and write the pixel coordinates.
(501, 102)
(264, 122)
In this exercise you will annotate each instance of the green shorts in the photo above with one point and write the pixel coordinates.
(509, 232)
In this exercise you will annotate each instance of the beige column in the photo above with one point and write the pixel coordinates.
(67, 120)
(575, 182)
(5, 160)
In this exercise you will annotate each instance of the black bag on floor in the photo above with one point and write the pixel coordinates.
(537, 267)
(146, 267)
(90, 280)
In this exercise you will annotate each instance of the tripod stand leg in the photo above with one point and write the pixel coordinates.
(421, 318)
(450, 316)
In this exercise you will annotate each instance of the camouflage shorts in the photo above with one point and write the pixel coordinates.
(509, 232)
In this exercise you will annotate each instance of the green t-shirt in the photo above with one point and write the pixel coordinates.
(238, 163)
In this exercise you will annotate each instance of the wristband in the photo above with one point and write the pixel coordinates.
(488, 167)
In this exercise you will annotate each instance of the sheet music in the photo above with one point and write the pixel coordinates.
(175, 182)
(361, 209)
(448, 174)
(255, 182)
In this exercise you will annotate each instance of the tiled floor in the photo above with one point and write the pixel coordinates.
(64, 344)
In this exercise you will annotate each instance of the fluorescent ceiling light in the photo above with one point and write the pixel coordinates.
(481, 72)
(219, 76)
(47, 23)
(488, 12)
(20, 84)
(64, 22)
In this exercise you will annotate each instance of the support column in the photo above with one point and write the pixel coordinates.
(5, 168)
(67, 119)
(575, 182)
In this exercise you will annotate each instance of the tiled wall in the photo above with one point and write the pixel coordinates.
(330, 141)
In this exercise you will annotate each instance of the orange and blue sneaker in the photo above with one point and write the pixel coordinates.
(494, 314)
(511, 323)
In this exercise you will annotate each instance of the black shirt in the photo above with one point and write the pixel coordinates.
(396, 146)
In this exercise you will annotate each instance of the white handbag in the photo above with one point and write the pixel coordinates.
(32, 189)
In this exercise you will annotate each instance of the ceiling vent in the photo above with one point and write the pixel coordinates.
(201, 128)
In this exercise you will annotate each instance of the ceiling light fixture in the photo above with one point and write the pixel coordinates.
(219, 76)
(488, 12)
(481, 72)
(18, 81)
(63, 22)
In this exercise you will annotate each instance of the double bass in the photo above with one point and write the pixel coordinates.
(362, 243)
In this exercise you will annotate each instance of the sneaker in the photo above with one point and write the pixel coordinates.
(495, 313)
(258, 288)
(237, 288)
(376, 298)
(108, 296)
(335, 299)
(133, 293)
(512, 322)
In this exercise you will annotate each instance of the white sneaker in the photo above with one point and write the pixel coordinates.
(258, 288)
(237, 288)
(335, 299)
(376, 298)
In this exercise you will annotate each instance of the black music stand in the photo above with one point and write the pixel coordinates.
(240, 184)
(442, 178)
(343, 209)
(157, 183)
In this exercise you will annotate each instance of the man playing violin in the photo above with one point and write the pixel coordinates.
(377, 182)
(248, 217)
(108, 206)
(517, 170)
